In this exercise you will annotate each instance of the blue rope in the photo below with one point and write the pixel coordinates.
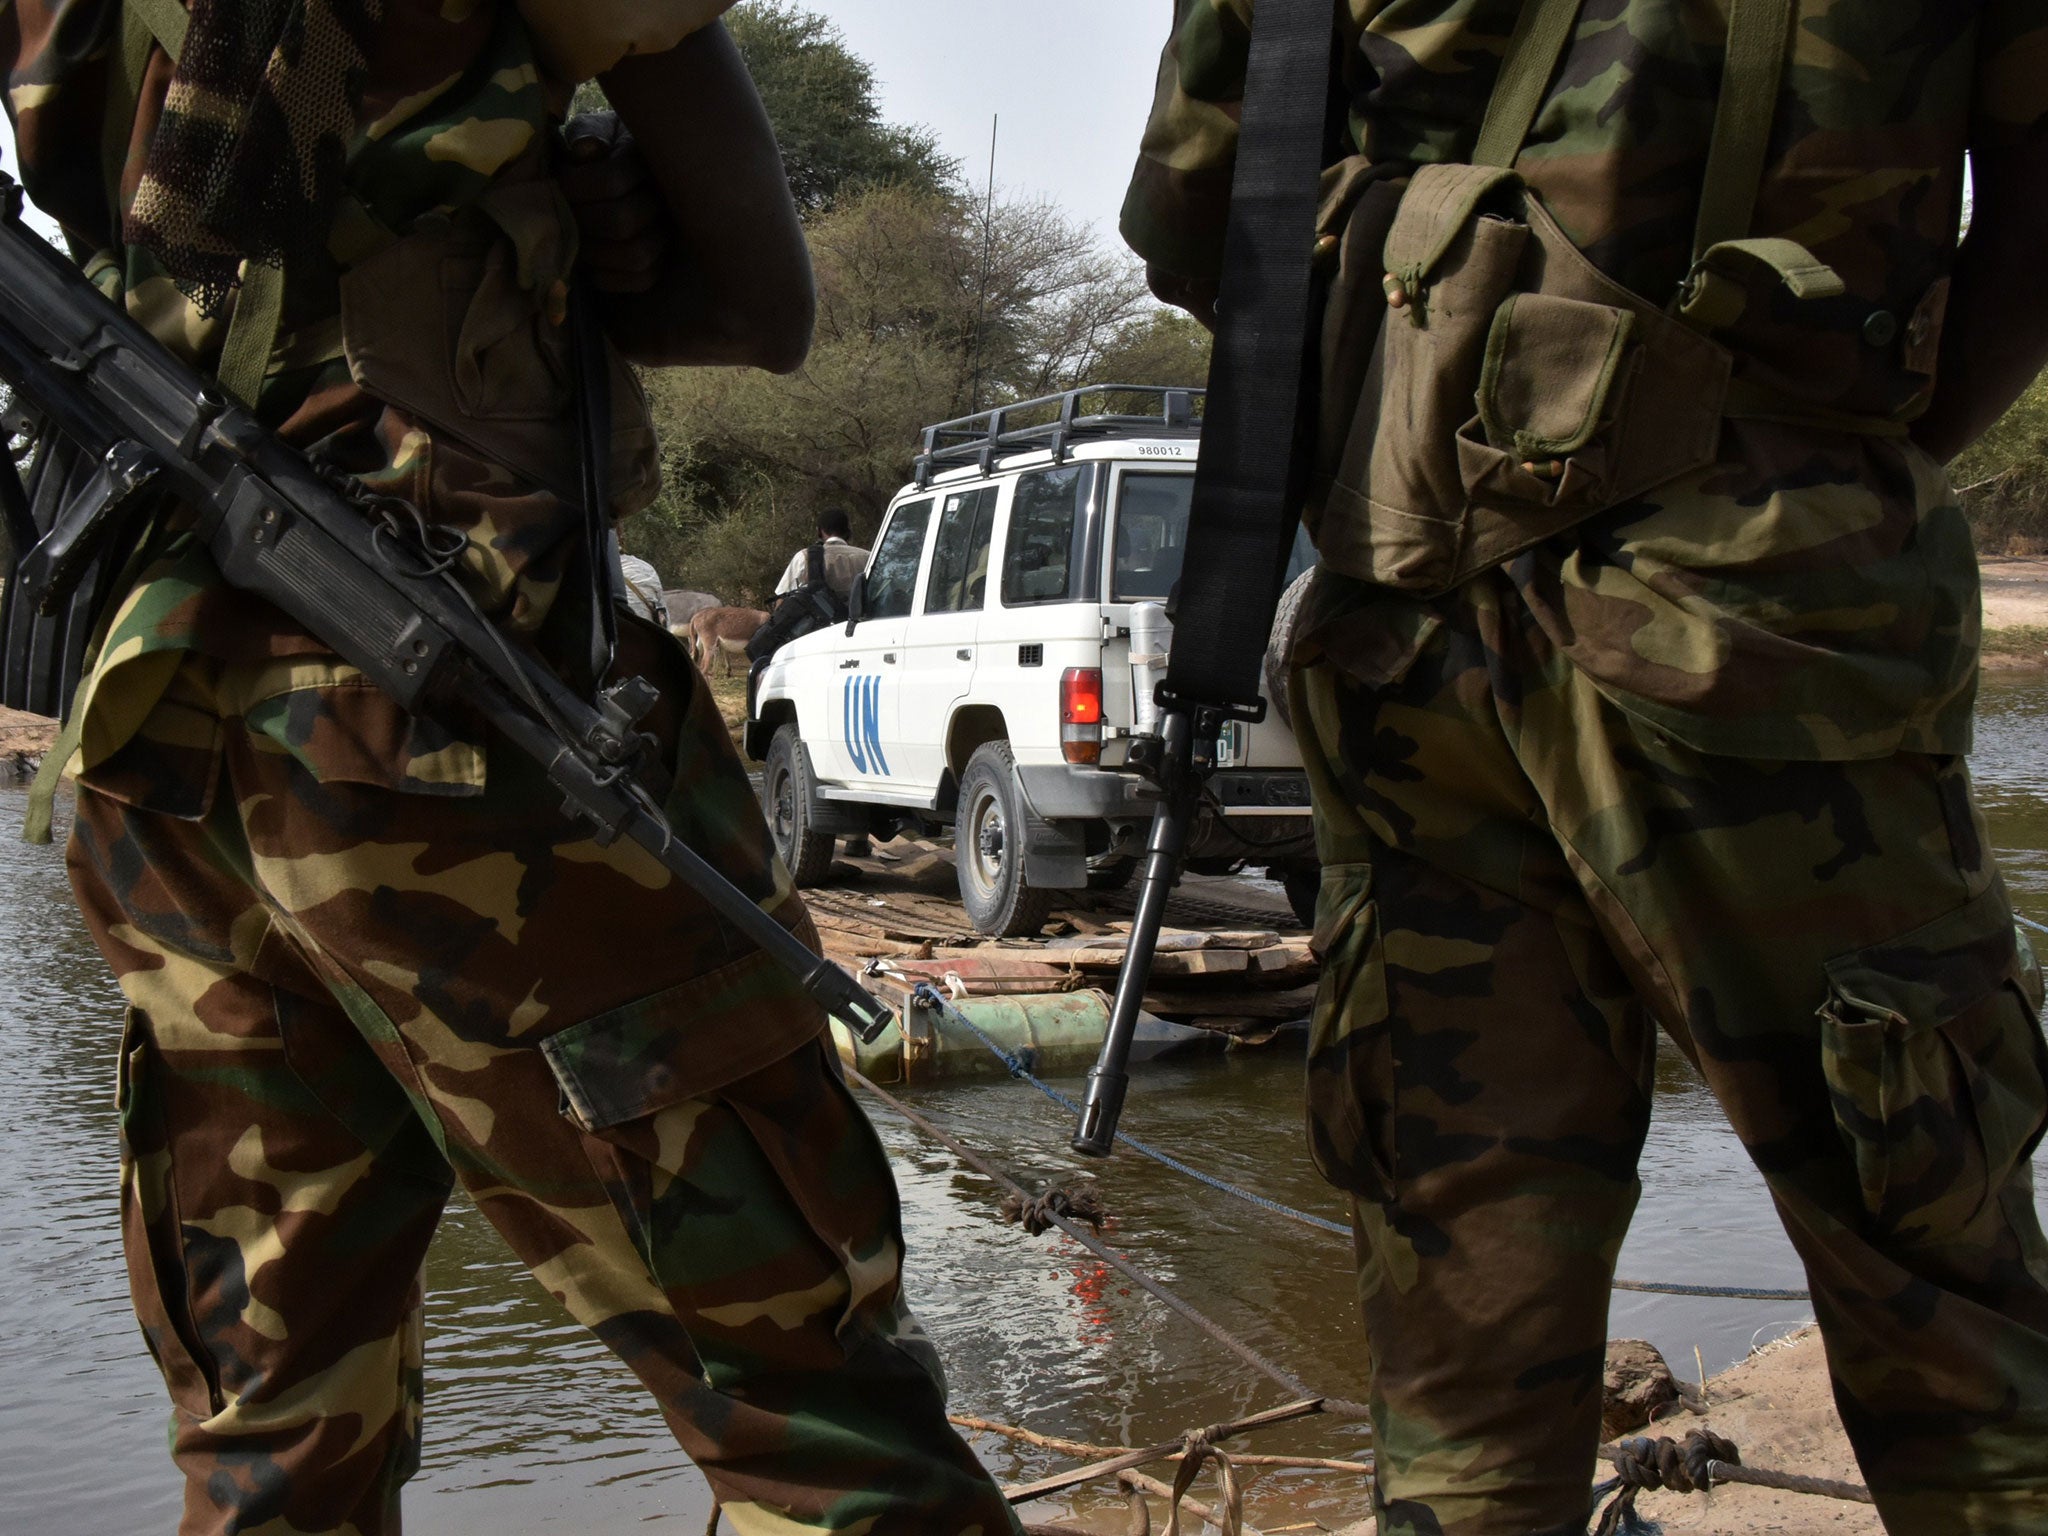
(930, 997)
(2041, 927)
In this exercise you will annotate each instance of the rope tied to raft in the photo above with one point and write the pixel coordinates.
(1040, 1212)
(1197, 1447)
(1681, 1466)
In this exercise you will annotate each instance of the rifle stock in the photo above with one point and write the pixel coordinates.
(279, 529)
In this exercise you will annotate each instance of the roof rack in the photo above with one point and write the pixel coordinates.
(1056, 423)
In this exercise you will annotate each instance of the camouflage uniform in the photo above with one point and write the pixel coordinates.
(1695, 764)
(366, 955)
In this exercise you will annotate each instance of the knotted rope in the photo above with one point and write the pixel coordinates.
(1040, 1212)
(1682, 1466)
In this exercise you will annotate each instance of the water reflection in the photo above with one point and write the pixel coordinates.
(532, 1426)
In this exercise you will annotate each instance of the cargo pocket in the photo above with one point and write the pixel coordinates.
(1937, 1070)
(1350, 1046)
(1394, 511)
(685, 1042)
(1556, 374)
(152, 1232)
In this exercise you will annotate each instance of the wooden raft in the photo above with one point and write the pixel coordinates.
(1245, 981)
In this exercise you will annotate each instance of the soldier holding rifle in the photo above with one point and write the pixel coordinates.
(1635, 691)
(367, 954)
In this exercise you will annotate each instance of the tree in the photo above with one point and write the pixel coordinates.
(2003, 478)
(820, 100)
(820, 96)
(923, 309)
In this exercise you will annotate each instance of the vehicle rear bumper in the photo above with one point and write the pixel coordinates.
(1058, 792)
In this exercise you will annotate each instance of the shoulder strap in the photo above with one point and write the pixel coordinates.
(1758, 39)
(167, 22)
(815, 571)
(1538, 42)
(1249, 481)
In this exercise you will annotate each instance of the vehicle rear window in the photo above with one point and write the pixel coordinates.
(959, 579)
(1151, 535)
(1043, 553)
(892, 574)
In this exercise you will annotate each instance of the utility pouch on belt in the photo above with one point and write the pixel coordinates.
(1513, 389)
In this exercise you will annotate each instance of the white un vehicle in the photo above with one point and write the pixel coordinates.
(1005, 642)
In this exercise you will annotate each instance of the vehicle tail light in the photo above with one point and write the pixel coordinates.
(1081, 714)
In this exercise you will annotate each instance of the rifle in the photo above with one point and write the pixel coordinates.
(1249, 484)
(364, 574)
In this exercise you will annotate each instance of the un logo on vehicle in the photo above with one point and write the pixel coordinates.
(861, 710)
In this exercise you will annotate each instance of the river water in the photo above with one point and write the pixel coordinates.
(532, 1427)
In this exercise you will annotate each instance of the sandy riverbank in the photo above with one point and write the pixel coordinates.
(2015, 612)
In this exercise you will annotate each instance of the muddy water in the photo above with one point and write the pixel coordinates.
(531, 1427)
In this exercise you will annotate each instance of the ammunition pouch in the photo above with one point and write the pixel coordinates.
(1512, 391)
(463, 324)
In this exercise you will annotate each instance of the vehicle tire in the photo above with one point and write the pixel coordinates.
(1112, 876)
(988, 848)
(1280, 646)
(787, 796)
(1301, 884)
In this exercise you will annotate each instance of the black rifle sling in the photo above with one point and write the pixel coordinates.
(1251, 477)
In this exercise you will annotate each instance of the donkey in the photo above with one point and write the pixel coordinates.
(724, 633)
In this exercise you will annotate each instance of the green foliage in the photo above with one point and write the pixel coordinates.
(821, 98)
(2003, 478)
(1163, 347)
(929, 306)
(925, 307)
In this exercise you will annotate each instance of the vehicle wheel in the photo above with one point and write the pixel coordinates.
(988, 847)
(1280, 646)
(786, 789)
(1112, 876)
(1301, 884)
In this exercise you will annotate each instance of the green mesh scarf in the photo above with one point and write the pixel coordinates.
(247, 161)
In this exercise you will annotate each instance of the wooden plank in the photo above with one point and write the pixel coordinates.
(1231, 1002)
(1283, 959)
(1203, 962)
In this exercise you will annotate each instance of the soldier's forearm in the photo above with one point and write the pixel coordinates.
(739, 291)
(1995, 339)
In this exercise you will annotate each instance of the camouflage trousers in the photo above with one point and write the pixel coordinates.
(358, 967)
(1521, 884)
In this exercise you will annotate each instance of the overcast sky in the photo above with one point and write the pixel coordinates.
(1071, 80)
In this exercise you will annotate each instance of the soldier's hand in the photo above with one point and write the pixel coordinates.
(625, 228)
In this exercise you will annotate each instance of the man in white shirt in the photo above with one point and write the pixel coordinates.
(843, 561)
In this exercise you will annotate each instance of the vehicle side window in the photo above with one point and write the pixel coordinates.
(1043, 556)
(1151, 535)
(892, 574)
(960, 555)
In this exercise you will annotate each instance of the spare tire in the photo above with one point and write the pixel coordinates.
(1280, 646)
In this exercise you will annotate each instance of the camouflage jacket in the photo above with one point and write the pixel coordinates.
(460, 103)
(1814, 594)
